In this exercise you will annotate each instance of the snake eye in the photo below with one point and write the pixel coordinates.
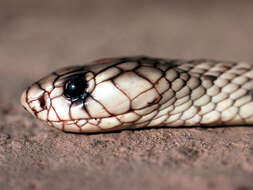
(75, 87)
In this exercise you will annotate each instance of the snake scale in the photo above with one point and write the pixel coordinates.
(134, 92)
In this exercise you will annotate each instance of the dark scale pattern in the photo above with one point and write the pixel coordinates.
(134, 92)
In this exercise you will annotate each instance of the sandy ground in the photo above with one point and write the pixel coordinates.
(39, 36)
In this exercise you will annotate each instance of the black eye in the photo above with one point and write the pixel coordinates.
(75, 87)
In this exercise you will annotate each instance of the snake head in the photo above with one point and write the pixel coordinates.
(109, 94)
(59, 97)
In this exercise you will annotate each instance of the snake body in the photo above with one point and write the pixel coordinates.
(134, 92)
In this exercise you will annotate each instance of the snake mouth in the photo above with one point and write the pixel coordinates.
(81, 125)
(89, 125)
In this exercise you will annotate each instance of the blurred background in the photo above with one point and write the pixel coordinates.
(43, 35)
(38, 36)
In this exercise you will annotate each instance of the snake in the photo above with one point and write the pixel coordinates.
(132, 92)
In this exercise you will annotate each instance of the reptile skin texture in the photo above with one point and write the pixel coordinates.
(136, 92)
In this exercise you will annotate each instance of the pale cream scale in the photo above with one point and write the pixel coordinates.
(134, 92)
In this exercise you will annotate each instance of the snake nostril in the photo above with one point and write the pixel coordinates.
(42, 102)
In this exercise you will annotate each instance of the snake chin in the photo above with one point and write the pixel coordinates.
(91, 125)
(77, 126)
